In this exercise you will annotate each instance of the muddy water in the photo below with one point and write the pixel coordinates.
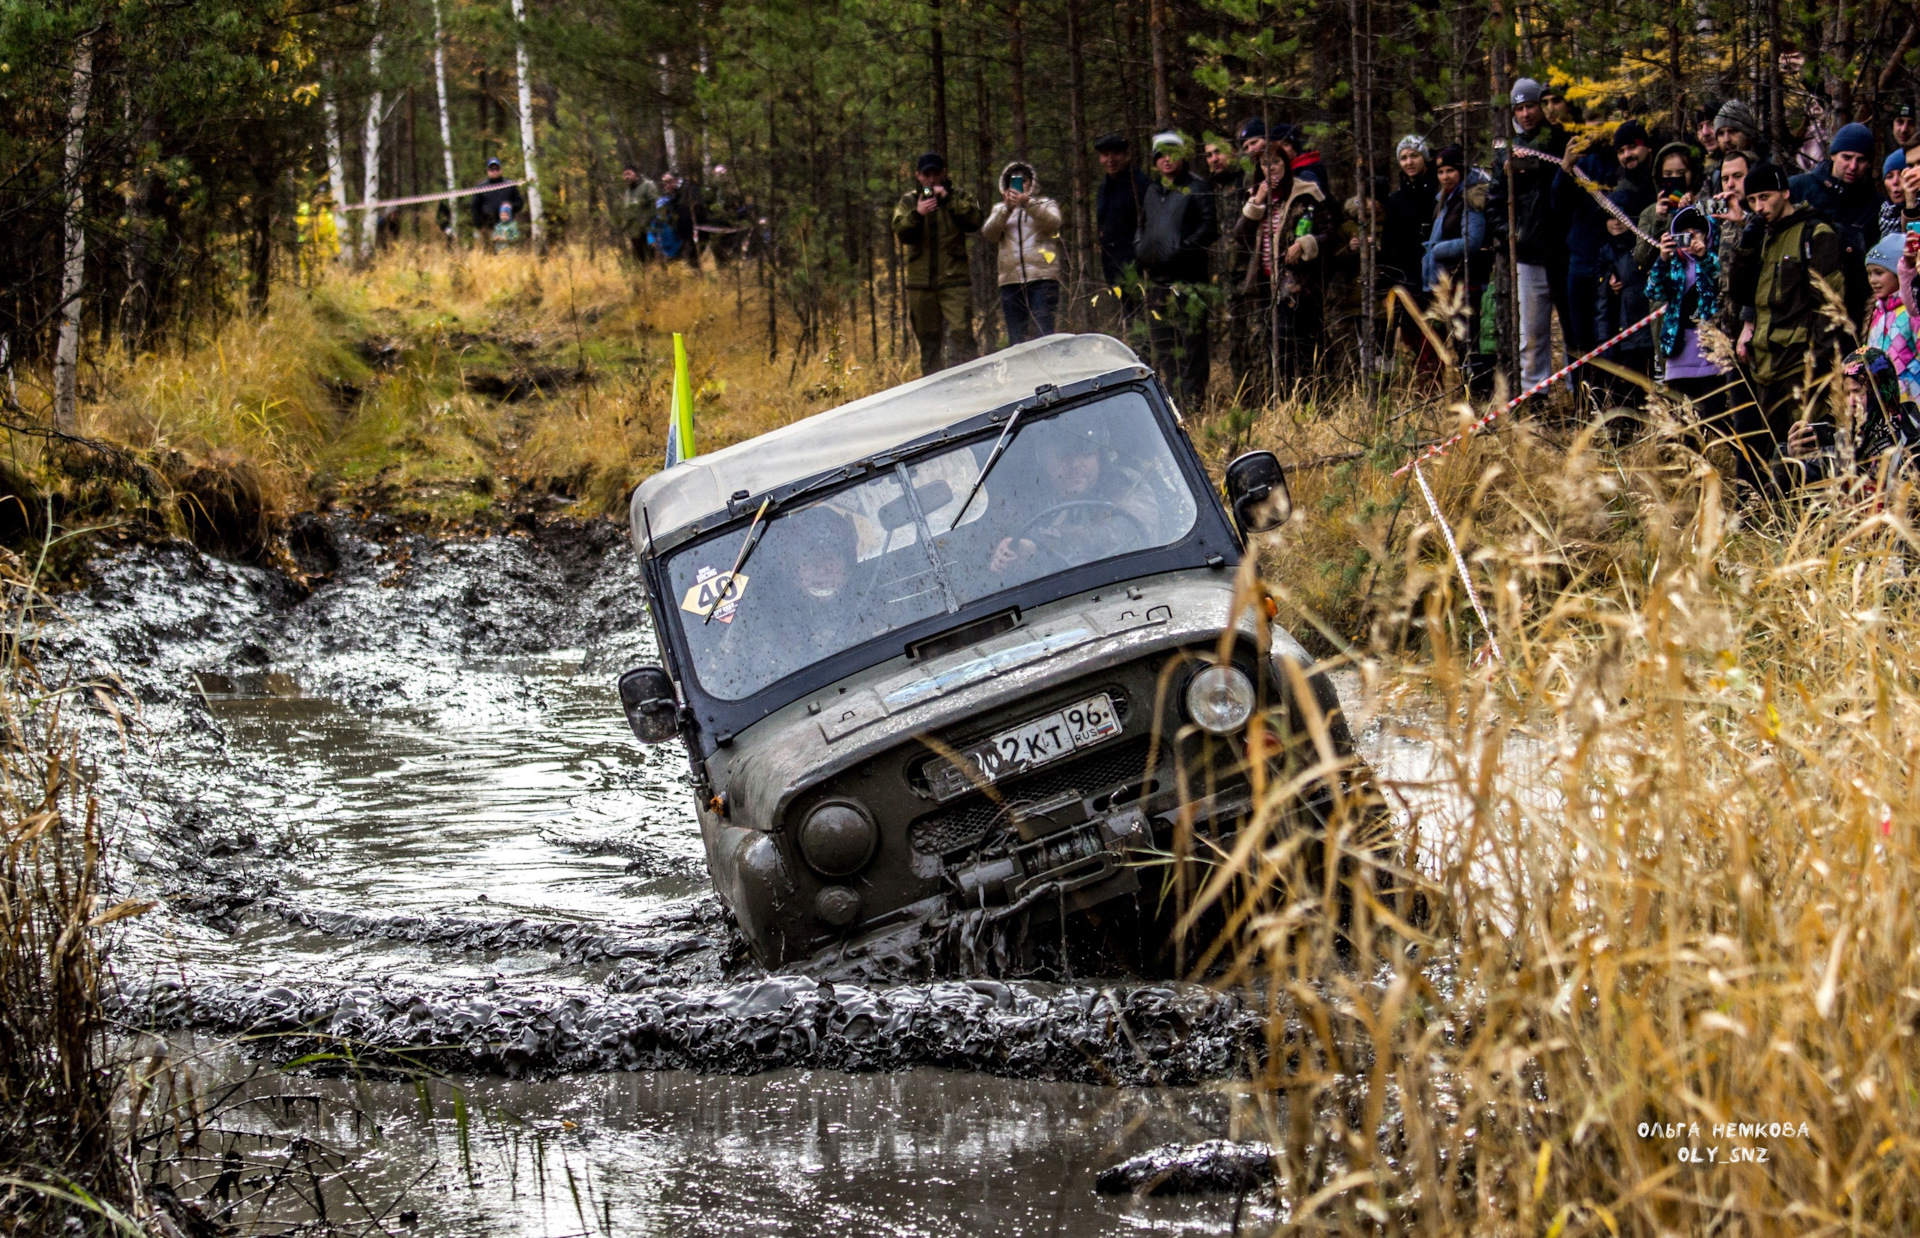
(788, 1152)
(400, 812)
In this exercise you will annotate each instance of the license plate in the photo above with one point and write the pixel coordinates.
(1027, 746)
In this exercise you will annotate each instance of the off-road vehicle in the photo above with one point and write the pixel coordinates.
(970, 652)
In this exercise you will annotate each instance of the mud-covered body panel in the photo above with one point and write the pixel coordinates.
(871, 737)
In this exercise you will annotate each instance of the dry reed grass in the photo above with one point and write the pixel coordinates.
(61, 1162)
(1668, 852)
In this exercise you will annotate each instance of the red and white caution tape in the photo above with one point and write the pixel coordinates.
(417, 199)
(1606, 204)
(1459, 563)
(1443, 446)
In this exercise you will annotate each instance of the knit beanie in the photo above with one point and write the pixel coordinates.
(1894, 163)
(1737, 115)
(1413, 141)
(1765, 178)
(1856, 138)
(1886, 252)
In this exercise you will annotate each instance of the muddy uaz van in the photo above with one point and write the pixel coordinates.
(968, 655)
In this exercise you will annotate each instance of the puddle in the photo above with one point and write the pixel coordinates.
(788, 1152)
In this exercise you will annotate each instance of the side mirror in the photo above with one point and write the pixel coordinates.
(653, 711)
(1257, 492)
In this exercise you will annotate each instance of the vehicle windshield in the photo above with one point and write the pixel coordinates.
(1094, 482)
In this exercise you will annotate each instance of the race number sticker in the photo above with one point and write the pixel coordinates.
(714, 592)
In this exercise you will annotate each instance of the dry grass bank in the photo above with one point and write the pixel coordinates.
(454, 387)
(1671, 979)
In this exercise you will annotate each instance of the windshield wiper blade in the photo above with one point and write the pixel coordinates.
(755, 532)
(993, 458)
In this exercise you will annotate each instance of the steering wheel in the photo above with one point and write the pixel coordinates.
(1070, 505)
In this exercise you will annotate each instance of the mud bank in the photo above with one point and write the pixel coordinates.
(1153, 1035)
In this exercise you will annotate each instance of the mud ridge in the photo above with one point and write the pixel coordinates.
(1146, 1035)
(574, 941)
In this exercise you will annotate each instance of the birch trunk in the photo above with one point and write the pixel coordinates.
(667, 137)
(336, 175)
(534, 213)
(370, 148)
(446, 124)
(66, 354)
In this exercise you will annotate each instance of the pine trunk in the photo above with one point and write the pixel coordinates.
(937, 56)
(66, 353)
(1017, 75)
(1083, 246)
(1157, 39)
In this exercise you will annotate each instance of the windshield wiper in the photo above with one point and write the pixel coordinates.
(755, 532)
(993, 458)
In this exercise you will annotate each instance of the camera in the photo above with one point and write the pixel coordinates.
(925, 192)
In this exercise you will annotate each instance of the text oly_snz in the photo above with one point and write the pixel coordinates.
(1713, 1154)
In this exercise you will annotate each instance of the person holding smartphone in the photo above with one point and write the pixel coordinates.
(1024, 229)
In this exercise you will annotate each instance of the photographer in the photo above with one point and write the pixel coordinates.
(932, 222)
(1024, 229)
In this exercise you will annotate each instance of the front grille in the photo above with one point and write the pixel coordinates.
(968, 821)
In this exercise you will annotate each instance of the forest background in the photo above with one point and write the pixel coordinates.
(154, 156)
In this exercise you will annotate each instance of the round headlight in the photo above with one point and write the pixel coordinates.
(838, 838)
(1220, 699)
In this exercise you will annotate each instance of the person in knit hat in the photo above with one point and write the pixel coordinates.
(1843, 187)
(1786, 330)
(1891, 183)
(1890, 326)
(1178, 225)
(1539, 236)
(1734, 128)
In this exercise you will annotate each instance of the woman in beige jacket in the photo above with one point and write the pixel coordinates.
(1024, 230)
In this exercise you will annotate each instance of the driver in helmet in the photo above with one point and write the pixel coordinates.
(1082, 505)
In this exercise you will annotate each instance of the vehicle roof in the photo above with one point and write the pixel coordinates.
(701, 486)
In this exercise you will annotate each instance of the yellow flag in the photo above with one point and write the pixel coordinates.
(680, 415)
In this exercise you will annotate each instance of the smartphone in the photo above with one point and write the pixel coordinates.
(1019, 183)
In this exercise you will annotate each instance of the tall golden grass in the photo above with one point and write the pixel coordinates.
(385, 384)
(1668, 981)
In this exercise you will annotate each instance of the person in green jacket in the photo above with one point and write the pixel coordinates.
(1789, 334)
(932, 222)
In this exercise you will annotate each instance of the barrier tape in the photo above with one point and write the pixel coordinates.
(1459, 564)
(417, 199)
(1606, 204)
(1441, 447)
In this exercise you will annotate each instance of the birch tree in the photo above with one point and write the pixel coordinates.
(526, 125)
(336, 174)
(446, 124)
(66, 354)
(370, 148)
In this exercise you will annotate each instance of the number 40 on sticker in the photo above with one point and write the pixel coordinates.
(716, 592)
